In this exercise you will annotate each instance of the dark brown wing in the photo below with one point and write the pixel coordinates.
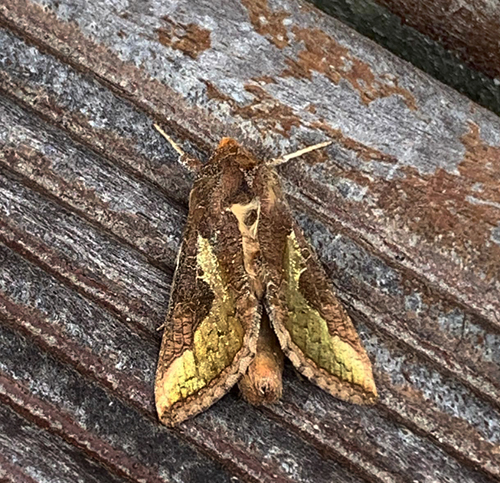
(212, 324)
(314, 330)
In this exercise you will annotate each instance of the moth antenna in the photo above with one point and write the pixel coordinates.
(296, 154)
(191, 163)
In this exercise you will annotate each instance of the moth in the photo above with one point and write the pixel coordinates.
(247, 291)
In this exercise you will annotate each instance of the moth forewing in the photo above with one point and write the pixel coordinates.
(314, 330)
(317, 334)
(212, 325)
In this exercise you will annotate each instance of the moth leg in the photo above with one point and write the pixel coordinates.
(262, 382)
(191, 163)
(296, 154)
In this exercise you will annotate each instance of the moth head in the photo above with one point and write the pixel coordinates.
(229, 148)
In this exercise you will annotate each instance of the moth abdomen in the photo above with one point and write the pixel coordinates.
(262, 382)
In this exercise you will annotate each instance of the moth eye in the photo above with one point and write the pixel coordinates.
(251, 218)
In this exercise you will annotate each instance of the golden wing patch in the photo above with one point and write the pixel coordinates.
(219, 353)
(320, 339)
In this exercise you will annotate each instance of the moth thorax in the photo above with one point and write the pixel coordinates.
(230, 148)
(248, 221)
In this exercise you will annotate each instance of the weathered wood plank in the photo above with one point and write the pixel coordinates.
(403, 209)
(120, 133)
(82, 333)
(29, 454)
(94, 189)
(388, 294)
(84, 109)
(470, 29)
(373, 438)
(90, 262)
(12, 473)
(444, 38)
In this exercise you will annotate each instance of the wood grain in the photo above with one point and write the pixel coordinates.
(470, 29)
(403, 210)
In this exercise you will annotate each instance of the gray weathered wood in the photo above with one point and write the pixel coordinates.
(402, 209)
(44, 456)
(90, 262)
(470, 29)
(453, 41)
(126, 207)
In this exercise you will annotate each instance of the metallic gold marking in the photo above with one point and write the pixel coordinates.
(216, 341)
(309, 331)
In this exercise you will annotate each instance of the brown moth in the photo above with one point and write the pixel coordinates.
(248, 290)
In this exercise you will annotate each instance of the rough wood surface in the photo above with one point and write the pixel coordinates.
(454, 41)
(468, 28)
(403, 210)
